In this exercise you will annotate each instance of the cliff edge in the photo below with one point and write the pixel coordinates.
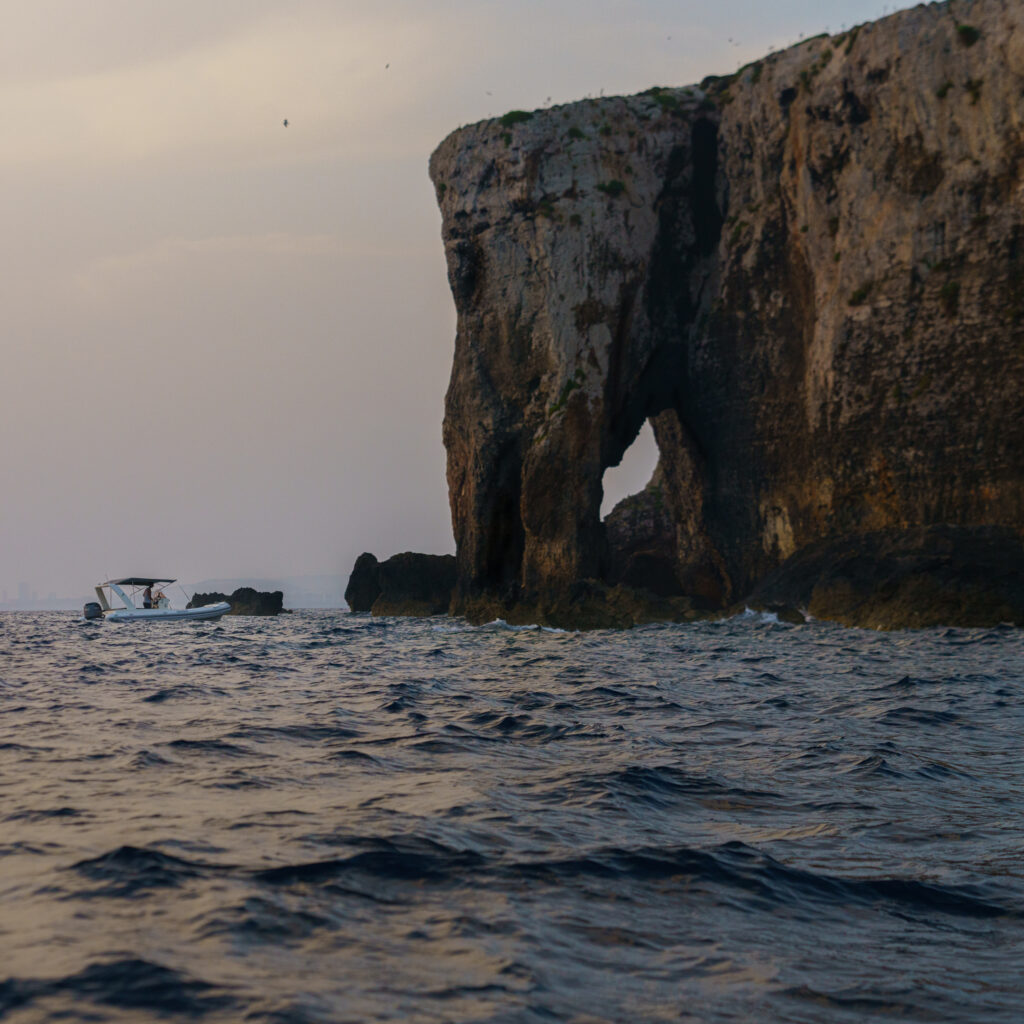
(808, 276)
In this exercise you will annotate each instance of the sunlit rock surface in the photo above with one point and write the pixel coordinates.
(808, 276)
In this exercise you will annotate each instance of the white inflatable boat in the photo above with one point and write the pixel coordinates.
(151, 606)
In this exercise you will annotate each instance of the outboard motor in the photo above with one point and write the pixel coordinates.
(92, 610)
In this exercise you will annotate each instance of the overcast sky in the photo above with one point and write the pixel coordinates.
(226, 342)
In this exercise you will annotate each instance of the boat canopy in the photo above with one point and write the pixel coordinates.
(135, 581)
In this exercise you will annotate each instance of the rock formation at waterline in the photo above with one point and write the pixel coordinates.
(903, 578)
(244, 601)
(808, 276)
(405, 584)
(363, 586)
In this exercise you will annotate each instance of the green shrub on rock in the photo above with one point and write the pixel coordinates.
(514, 117)
(967, 34)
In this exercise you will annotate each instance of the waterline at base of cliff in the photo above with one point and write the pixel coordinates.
(968, 577)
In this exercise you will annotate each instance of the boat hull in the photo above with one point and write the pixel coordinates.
(207, 613)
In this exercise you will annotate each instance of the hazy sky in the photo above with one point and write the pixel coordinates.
(226, 342)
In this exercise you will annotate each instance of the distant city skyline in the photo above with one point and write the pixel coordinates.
(227, 342)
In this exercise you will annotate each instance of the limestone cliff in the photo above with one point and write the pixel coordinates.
(808, 276)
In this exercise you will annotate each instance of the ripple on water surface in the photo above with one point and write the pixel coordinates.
(325, 817)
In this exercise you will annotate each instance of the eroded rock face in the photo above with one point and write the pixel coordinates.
(415, 584)
(363, 584)
(965, 576)
(551, 229)
(641, 533)
(810, 277)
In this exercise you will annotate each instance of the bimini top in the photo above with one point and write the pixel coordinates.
(135, 581)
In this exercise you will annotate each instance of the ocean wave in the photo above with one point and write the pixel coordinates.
(423, 819)
(130, 871)
(895, 1003)
(149, 759)
(300, 732)
(420, 861)
(209, 746)
(666, 786)
(132, 984)
(493, 725)
(44, 814)
(731, 866)
(530, 627)
(906, 684)
(908, 715)
(874, 764)
(355, 756)
(259, 919)
(737, 866)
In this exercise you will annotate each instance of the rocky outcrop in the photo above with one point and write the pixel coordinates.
(809, 277)
(405, 584)
(954, 575)
(641, 535)
(244, 601)
(415, 584)
(363, 584)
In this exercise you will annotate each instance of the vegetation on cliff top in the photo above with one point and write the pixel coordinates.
(663, 96)
(514, 117)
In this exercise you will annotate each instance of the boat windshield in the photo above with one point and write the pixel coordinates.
(130, 590)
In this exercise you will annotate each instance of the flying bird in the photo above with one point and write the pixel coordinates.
(285, 122)
(386, 66)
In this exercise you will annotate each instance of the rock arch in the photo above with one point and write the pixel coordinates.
(740, 264)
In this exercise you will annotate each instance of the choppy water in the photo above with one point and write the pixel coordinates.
(325, 817)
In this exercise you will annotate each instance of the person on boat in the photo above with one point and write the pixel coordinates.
(147, 596)
(158, 598)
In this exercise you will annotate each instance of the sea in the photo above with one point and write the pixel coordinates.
(325, 817)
